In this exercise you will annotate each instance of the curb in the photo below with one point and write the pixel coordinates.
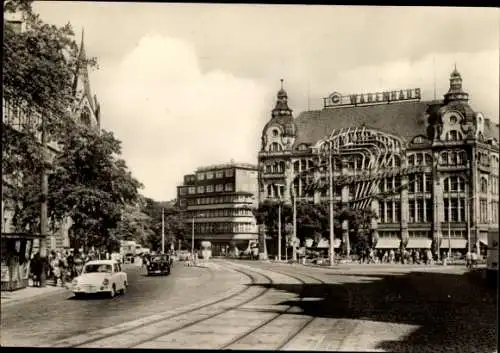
(8, 302)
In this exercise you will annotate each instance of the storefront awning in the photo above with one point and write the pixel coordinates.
(419, 243)
(453, 243)
(21, 236)
(325, 244)
(388, 243)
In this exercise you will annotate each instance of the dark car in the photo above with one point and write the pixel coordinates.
(158, 264)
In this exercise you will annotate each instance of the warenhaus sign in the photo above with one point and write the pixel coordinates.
(336, 99)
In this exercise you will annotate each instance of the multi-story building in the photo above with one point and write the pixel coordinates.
(16, 117)
(217, 201)
(429, 169)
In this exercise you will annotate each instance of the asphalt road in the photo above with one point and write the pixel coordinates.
(365, 307)
(59, 315)
(402, 309)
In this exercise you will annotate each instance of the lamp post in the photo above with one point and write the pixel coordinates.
(294, 239)
(279, 229)
(330, 187)
(162, 231)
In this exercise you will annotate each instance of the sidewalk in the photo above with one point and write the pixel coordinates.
(28, 293)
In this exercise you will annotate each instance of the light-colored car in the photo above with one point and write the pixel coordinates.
(100, 276)
(183, 255)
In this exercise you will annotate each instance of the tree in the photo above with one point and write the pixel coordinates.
(92, 186)
(39, 65)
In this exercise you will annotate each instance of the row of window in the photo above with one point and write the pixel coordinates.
(209, 188)
(223, 212)
(452, 233)
(219, 199)
(453, 158)
(224, 227)
(218, 174)
(276, 167)
(419, 210)
(419, 158)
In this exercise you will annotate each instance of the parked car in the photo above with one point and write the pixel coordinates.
(158, 264)
(100, 276)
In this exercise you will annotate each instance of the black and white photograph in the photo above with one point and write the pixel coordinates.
(215, 176)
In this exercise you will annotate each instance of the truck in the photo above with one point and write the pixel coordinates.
(492, 257)
(128, 250)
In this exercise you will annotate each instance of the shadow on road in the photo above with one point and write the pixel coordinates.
(454, 312)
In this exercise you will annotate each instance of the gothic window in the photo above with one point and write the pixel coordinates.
(85, 116)
(484, 185)
(275, 147)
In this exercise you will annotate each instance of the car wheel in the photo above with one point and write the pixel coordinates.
(124, 289)
(113, 291)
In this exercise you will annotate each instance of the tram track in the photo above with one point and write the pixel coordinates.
(186, 320)
(92, 337)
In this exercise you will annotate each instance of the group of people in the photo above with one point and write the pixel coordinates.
(59, 267)
(410, 256)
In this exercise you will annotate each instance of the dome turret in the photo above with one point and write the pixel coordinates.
(281, 108)
(456, 92)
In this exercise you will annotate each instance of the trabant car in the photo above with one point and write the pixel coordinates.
(100, 276)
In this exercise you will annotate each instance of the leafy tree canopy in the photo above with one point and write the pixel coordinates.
(91, 185)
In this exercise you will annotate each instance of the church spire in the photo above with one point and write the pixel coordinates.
(456, 92)
(281, 108)
(82, 80)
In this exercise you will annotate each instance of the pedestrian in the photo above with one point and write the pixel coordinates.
(36, 269)
(468, 260)
(475, 258)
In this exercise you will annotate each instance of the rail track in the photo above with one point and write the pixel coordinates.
(190, 325)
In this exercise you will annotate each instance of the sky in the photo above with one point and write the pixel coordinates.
(187, 85)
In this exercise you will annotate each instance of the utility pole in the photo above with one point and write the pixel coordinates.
(294, 239)
(44, 222)
(162, 231)
(192, 238)
(279, 230)
(330, 174)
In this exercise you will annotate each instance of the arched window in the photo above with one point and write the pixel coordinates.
(85, 116)
(461, 157)
(275, 147)
(428, 159)
(484, 185)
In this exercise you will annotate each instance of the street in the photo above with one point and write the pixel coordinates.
(258, 305)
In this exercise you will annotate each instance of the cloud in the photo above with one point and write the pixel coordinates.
(480, 72)
(173, 118)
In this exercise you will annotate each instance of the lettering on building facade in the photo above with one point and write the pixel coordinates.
(337, 100)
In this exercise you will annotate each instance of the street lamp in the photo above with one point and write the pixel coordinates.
(279, 220)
